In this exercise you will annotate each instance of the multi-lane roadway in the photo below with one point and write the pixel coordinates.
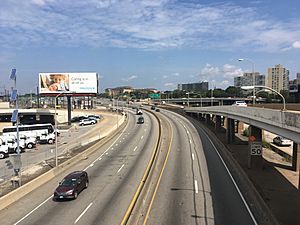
(194, 185)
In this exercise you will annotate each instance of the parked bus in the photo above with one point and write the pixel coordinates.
(35, 130)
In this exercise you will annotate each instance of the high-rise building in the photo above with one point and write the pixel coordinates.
(278, 78)
(247, 79)
(197, 87)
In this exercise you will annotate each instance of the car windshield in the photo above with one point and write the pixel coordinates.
(68, 182)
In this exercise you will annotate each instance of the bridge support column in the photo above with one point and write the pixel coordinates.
(69, 109)
(198, 116)
(255, 159)
(296, 157)
(230, 130)
(207, 118)
(218, 125)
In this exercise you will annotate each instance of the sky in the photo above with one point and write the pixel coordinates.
(147, 43)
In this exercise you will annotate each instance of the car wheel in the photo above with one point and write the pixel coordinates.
(50, 141)
(30, 146)
(2, 156)
(75, 194)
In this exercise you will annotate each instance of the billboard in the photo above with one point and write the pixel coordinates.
(81, 83)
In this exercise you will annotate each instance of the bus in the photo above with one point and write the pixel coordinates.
(35, 130)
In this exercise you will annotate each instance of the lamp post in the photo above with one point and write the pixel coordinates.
(118, 112)
(200, 100)
(56, 157)
(188, 93)
(268, 88)
(253, 76)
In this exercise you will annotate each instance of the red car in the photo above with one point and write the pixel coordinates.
(71, 185)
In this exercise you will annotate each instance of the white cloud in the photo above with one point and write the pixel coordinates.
(170, 85)
(220, 77)
(296, 44)
(165, 76)
(142, 24)
(127, 79)
(209, 70)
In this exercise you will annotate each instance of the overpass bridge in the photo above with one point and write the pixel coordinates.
(284, 123)
(203, 101)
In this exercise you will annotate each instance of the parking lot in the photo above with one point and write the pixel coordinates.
(69, 138)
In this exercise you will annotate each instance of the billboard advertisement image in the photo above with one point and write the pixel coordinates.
(68, 82)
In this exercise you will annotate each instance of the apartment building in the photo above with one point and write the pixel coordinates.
(247, 79)
(278, 78)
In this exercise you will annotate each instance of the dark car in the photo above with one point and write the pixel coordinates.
(72, 185)
(140, 120)
(153, 107)
(157, 110)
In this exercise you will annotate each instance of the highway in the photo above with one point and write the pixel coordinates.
(114, 174)
(195, 187)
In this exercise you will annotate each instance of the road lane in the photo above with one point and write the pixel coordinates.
(109, 192)
(196, 187)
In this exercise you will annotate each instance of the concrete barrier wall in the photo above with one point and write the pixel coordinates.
(286, 119)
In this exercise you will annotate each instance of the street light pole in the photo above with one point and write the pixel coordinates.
(188, 94)
(268, 88)
(56, 145)
(253, 76)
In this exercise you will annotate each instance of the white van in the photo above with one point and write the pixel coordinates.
(11, 142)
(46, 138)
(3, 151)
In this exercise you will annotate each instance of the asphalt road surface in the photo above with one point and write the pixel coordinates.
(115, 171)
(196, 187)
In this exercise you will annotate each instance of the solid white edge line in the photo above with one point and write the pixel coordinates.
(193, 157)
(196, 186)
(28, 214)
(233, 181)
(84, 211)
(121, 168)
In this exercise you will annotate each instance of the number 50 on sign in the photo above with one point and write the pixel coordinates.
(256, 148)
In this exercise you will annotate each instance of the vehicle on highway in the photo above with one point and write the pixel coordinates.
(3, 151)
(35, 130)
(157, 110)
(47, 138)
(71, 185)
(139, 112)
(282, 141)
(140, 120)
(87, 122)
(153, 107)
(240, 103)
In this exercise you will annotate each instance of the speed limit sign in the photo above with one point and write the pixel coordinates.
(256, 148)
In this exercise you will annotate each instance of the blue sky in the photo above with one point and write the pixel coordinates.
(147, 43)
